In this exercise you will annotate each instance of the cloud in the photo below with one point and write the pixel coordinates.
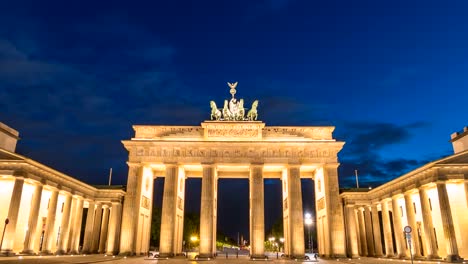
(365, 142)
(64, 100)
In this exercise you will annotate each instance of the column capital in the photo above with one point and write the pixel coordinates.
(257, 164)
(208, 164)
(294, 165)
(133, 164)
(20, 174)
(331, 165)
(170, 164)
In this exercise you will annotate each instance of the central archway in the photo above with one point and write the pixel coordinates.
(220, 149)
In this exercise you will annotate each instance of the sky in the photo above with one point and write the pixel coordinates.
(389, 75)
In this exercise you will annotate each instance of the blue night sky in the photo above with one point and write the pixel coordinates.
(390, 75)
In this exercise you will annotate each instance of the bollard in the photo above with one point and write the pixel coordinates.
(237, 253)
(226, 254)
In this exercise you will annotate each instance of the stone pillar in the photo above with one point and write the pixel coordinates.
(362, 233)
(431, 246)
(13, 211)
(50, 223)
(387, 230)
(129, 217)
(369, 233)
(398, 228)
(207, 211)
(96, 228)
(88, 234)
(168, 214)
(351, 230)
(447, 223)
(32, 222)
(114, 229)
(334, 208)
(65, 226)
(376, 230)
(466, 192)
(411, 217)
(77, 220)
(257, 232)
(296, 222)
(103, 235)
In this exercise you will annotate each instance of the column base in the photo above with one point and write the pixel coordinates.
(60, 252)
(7, 253)
(46, 252)
(453, 258)
(204, 256)
(258, 257)
(28, 252)
(166, 255)
(432, 257)
(126, 254)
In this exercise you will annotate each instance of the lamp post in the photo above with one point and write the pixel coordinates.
(282, 244)
(3, 234)
(193, 239)
(308, 222)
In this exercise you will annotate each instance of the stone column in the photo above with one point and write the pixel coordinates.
(362, 233)
(129, 217)
(447, 223)
(88, 234)
(65, 226)
(369, 234)
(257, 232)
(114, 229)
(295, 212)
(398, 229)
(351, 230)
(96, 228)
(103, 236)
(376, 231)
(77, 220)
(466, 192)
(334, 209)
(411, 217)
(32, 222)
(168, 214)
(387, 229)
(50, 223)
(207, 211)
(13, 211)
(431, 246)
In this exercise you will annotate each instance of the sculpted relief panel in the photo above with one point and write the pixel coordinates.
(158, 153)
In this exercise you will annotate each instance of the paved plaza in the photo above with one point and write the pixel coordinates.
(231, 260)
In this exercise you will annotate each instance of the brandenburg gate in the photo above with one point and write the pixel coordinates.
(233, 144)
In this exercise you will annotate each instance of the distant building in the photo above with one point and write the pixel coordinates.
(47, 209)
(432, 200)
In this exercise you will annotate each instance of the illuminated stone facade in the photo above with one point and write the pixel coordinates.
(432, 200)
(45, 207)
(232, 149)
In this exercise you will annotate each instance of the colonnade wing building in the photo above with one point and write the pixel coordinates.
(432, 200)
(50, 212)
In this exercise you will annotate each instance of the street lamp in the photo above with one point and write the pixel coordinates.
(308, 222)
(193, 239)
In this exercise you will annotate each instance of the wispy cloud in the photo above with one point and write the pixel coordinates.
(365, 142)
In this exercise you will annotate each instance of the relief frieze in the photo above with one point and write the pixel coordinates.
(214, 152)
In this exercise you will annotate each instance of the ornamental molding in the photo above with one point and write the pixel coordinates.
(219, 130)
